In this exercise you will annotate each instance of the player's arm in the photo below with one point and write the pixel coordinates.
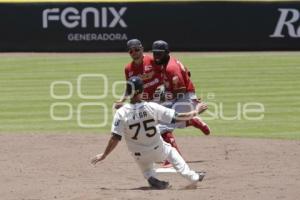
(117, 130)
(201, 107)
(168, 115)
(111, 145)
(119, 103)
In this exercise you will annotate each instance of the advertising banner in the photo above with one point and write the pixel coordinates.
(186, 26)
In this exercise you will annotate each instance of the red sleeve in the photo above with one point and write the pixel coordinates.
(187, 78)
(176, 76)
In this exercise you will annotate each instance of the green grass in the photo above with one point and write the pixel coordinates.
(224, 80)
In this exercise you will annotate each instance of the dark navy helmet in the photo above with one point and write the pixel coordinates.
(161, 52)
(135, 85)
(160, 46)
(134, 43)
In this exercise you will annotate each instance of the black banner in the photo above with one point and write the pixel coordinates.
(186, 26)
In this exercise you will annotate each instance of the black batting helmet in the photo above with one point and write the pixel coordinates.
(135, 85)
(160, 46)
(134, 43)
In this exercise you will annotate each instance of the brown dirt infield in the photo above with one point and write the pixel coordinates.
(56, 166)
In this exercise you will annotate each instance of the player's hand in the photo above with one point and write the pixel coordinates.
(199, 100)
(201, 107)
(97, 158)
(118, 104)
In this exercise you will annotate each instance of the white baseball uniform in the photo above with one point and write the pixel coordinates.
(138, 124)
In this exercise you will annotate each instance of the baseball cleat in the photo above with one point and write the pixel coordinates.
(193, 185)
(157, 184)
(198, 123)
(201, 176)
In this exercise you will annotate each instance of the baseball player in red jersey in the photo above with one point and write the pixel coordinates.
(151, 74)
(142, 66)
(180, 90)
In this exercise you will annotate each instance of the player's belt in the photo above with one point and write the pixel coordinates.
(139, 154)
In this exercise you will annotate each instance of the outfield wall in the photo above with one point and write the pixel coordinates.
(187, 26)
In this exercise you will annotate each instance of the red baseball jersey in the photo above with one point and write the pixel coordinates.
(149, 72)
(177, 76)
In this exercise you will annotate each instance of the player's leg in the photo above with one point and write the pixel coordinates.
(181, 166)
(146, 164)
(185, 105)
(197, 122)
(168, 137)
(166, 131)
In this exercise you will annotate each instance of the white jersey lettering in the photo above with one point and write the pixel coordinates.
(138, 124)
